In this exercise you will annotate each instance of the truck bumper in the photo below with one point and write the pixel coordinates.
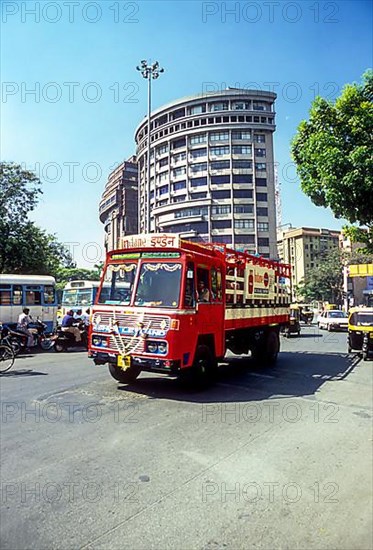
(162, 366)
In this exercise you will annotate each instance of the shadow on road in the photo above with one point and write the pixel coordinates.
(23, 372)
(296, 374)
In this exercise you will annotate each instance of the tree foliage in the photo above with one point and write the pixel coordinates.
(24, 247)
(333, 153)
(325, 282)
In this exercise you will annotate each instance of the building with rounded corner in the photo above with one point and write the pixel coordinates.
(212, 169)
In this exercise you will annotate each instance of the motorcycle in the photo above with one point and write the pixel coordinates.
(66, 340)
(18, 340)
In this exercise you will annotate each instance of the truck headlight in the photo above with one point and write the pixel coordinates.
(162, 347)
(152, 347)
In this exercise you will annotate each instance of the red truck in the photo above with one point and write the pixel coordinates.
(171, 306)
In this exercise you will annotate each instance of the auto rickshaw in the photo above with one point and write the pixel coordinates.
(360, 331)
(306, 313)
(294, 323)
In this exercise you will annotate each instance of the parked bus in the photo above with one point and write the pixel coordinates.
(36, 292)
(79, 295)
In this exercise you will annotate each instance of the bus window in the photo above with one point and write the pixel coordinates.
(5, 295)
(49, 294)
(17, 295)
(203, 285)
(216, 284)
(190, 293)
(33, 296)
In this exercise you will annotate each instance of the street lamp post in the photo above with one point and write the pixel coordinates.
(149, 71)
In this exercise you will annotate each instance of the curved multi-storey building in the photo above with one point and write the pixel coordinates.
(212, 169)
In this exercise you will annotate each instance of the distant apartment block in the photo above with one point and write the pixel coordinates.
(211, 169)
(301, 248)
(118, 205)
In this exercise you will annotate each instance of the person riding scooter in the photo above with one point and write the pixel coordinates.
(69, 324)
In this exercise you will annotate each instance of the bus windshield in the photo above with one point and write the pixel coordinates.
(159, 285)
(77, 297)
(118, 284)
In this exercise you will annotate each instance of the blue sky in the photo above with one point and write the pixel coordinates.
(80, 59)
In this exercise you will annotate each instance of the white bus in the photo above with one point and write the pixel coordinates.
(79, 295)
(36, 292)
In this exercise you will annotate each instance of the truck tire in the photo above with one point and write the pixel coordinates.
(203, 372)
(266, 352)
(124, 376)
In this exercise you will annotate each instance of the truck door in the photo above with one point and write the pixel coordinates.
(210, 314)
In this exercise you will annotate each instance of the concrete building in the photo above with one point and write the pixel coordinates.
(301, 248)
(212, 169)
(118, 205)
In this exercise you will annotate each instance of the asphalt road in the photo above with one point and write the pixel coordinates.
(278, 458)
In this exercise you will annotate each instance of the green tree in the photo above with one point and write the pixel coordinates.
(24, 247)
(333, 153)
(325, 282)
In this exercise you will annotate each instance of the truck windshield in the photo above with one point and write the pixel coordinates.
(159, 285)
(118, 284)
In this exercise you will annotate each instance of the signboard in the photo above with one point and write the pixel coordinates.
(260, 282)
(152, 240)
(360, 270)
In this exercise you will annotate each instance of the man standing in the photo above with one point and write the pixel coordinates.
(24, 320)
(68, 325)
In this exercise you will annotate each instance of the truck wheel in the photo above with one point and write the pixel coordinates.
(266, 353)
(124, 376)
(203, 372)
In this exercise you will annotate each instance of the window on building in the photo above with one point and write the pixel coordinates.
(199, 138)
(260, 166)
(259, 138)
(244, 135)
(260, 152)
(221, 224)
(241, 149)
(219, 136)
(199, 167)
(263, 226)
(245, 239)
(216, 180)
(192, 211)
(262, 211)
(240, 105)
(179, 171)
(242, 193)
(196, 196)
(217, 210)
(223, 239)
(198, 182)
(177, 143)
(242, 164)
(221, 194)
(244, 224)
(222, 150)
(163, 190)
(256, 119)
(263, 197)
(243, 209)
(179, 157)
(163, 162)
(263, 241)
(197, 109)
(162, 149)
(219, 106)
(196, 153)
(242, 178)
(179, 185)
(261, 182)
(220, 165)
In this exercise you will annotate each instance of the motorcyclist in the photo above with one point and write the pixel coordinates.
(69, 325)
(24, 320)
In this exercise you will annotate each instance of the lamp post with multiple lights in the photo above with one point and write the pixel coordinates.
(149, 71)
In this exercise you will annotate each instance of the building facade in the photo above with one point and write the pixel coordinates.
(211, 170)
(302, 248)
(118, 205)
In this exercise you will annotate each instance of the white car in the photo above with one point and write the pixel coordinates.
(333, 319)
